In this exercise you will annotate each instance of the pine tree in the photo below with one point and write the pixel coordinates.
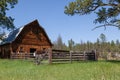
(58, 44)
(71, 44)
(107, 11)
(6, 21)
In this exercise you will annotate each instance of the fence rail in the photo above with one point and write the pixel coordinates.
(21, 56)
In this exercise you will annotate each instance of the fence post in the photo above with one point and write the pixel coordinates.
(84, 55)
(11, 55)
(50, 55)
(71, 56)
(96, 56)
(24, 55)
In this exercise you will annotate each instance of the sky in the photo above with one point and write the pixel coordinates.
(50, 14)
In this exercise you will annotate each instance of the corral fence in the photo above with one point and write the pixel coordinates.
(21, 55)
(63, 56)
(57, 56)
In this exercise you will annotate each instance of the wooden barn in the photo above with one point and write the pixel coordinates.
(27, 39)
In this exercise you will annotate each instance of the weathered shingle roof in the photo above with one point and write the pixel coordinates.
(12, 36)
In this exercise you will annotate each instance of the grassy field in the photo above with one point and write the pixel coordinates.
(25, 70)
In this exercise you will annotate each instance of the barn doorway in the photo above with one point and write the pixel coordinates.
(32, 50)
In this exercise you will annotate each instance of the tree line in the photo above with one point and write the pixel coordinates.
(101, 45)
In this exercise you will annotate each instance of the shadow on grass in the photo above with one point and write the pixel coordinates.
(67, 62)
(113, 61)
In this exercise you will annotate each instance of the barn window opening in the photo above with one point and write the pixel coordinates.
(32, 51)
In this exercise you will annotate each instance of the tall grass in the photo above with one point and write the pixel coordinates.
(24, 70)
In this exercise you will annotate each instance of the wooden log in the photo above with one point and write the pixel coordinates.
(84, 55)
(70, 56)
(50, 55)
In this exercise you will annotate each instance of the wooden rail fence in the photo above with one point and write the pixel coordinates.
(62, 56)
(21, 56)
(58, 56)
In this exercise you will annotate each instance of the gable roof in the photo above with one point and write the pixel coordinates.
(14, 34)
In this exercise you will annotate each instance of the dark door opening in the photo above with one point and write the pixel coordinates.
(32, 50)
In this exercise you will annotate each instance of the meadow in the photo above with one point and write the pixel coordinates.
(84, 70)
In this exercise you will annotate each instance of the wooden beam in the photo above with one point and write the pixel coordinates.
(50, 55)
(70, 56)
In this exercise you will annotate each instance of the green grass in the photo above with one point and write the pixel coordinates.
(25, 70)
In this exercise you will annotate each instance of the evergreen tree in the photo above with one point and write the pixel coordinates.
(103, 41)
(103, 38)
(6, 21)
(117, 42)
(58, 44)
(98, 44)
(107, 11)
(112, 43)
(77, 47)
(71, 44)
(118, 45)
(113, 46)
